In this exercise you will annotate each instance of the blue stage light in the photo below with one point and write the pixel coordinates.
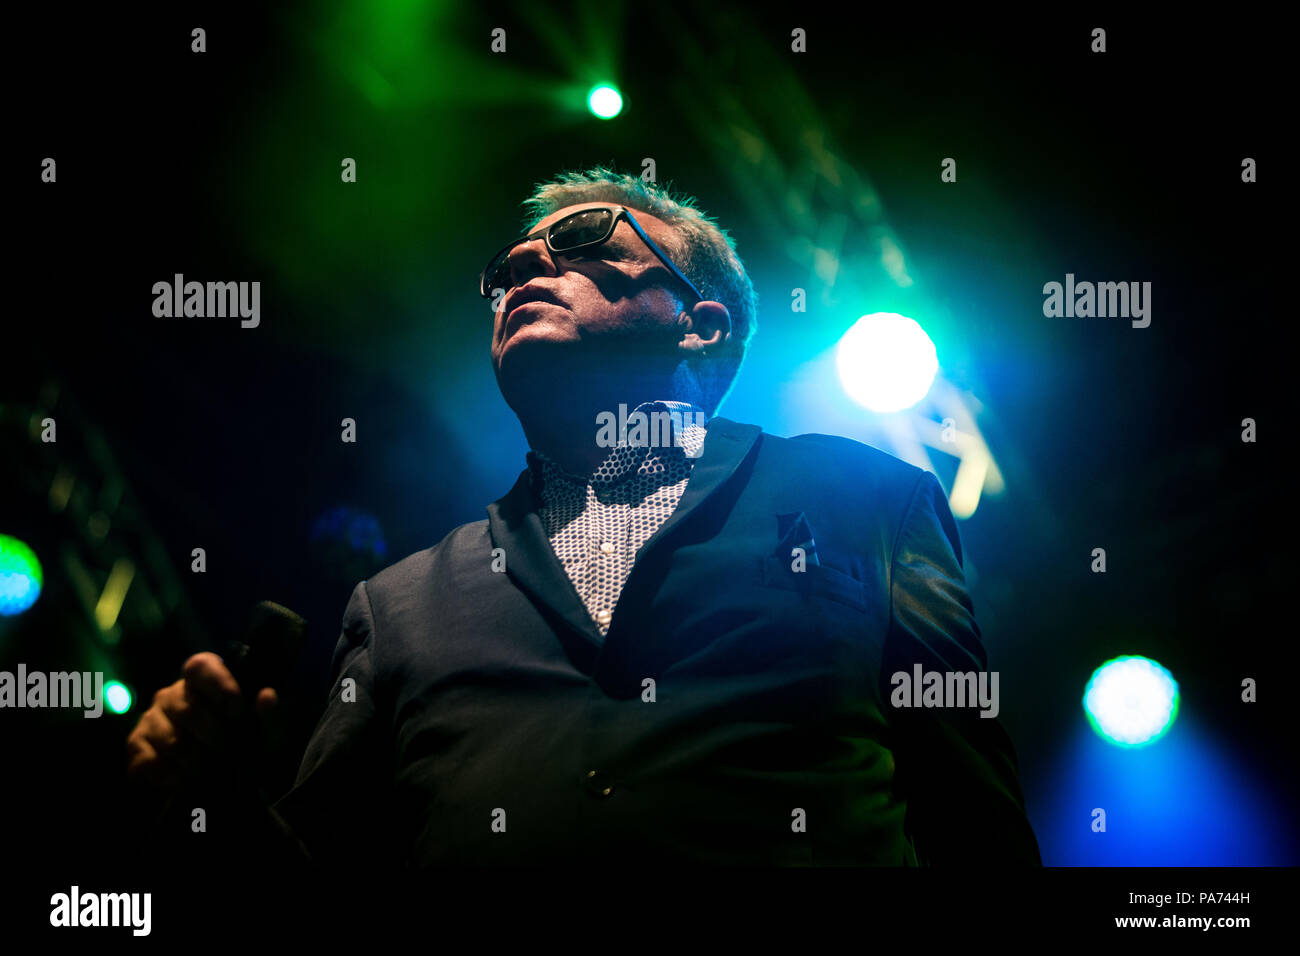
(886, 362)
(1131, 701)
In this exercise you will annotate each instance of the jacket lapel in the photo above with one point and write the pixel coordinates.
(725, 446)
(532, 563)
(630, 650)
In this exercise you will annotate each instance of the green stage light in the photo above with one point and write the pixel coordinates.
(605, 101)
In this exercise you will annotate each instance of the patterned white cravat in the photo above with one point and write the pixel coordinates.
(597, 525)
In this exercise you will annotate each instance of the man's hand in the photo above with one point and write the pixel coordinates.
(191, 734)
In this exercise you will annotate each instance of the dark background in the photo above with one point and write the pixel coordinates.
(224, 166)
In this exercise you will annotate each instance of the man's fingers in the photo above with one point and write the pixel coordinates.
(198, 720)
(206, 677)
(146, 765)
(269, 717)
(158, 730)
(268, 702)
(158, 740)
(139, 754)
(193, 729)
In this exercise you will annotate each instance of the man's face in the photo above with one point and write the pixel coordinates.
(616, 295)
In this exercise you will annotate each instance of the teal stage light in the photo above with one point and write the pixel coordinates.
(1131, 701)
(20, 576)
(886, 362)
(117, 697)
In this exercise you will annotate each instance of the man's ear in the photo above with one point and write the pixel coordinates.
(706, 326)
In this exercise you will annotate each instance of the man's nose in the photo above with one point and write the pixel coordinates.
(529, 260)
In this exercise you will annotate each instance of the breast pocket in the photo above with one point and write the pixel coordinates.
(815, 580)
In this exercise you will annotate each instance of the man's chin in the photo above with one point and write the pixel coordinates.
(535, 366)
(526, 348)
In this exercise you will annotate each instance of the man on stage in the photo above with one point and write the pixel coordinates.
(671, 644)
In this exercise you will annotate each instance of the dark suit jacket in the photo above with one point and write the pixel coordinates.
(493, 725)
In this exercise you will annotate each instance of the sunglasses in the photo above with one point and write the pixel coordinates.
(580, 230)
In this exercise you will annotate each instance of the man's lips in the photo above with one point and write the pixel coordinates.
(529, 293)
(518, 317)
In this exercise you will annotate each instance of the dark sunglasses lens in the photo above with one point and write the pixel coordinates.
(498, 274)
(581, 228)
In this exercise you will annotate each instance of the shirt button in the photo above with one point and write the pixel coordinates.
(607, 547)
(603, 617)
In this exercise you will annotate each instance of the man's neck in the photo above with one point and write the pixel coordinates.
(559, 409)
(568, 432)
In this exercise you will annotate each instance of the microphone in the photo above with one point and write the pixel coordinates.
(266, 655)
(264, 658)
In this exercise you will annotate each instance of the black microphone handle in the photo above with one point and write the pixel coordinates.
(264, 658)
(266, 655)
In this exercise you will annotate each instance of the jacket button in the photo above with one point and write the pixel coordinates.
(597, 783)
